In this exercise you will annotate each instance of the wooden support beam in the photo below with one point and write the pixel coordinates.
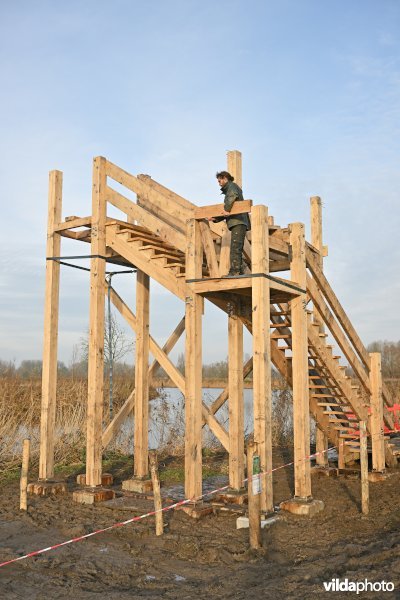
(96, 327)
(364, 469)
(193, 367)
(341, 454)
(204, 286)
(153, 462)
(217, 210)
(261, 350)
(316, 240)
(376, 423)
(321, 443)
(301, 407)
(236, 405)
(23, 483)
(224, 395)
(75, 222)
(254, 482)
(235, 364)
(224, 258)
(112, 428)
(209, 249)
(141, 458)
(49, 369)
(234, 165)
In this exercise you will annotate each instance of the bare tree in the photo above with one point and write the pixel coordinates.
(116, 344)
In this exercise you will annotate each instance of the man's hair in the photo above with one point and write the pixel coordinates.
(224, 174)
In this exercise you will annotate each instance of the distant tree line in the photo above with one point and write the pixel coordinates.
(77, 369)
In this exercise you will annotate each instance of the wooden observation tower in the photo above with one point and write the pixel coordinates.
(284, 300)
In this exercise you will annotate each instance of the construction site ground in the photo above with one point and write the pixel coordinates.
(206, 559)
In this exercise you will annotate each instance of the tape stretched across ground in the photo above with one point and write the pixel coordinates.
(149, 514)
(152, 513)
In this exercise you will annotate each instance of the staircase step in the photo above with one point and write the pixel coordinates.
(326, 396)
(280, 336)
(276, 325)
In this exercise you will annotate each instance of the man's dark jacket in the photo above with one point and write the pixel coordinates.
(233, 192)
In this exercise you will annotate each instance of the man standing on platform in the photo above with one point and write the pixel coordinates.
(237, 224)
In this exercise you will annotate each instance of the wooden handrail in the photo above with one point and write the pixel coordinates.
(217, 210)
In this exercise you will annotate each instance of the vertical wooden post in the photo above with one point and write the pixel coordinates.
(156, 491)
(364, 468)
(341, 457)
(49, 370)
(301, 415)
(235, 368)
(193, 366)
(236, 406)
(141, 462)
(23, 503)
(254, 499)
(321, 439)
(96, 327)
(234, 165)
(378, 442)
(262, 351)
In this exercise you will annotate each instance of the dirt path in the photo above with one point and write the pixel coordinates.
(208, 559)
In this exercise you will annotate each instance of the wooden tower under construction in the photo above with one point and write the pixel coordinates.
(284, 300)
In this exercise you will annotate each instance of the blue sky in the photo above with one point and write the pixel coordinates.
(308, 90)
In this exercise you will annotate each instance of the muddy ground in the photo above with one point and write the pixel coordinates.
(205, 559)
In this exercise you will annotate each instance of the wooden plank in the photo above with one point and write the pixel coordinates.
(376, 423)
(209, 249)
(23, 483)
(205, 286)
(141, 458)
(301, 419)
(146, 219)
(153, 462)
(72, 224)
(193, 367)
(364, 469)
(217, 210)
(96, 327)
(236, 402)
(262, 397)
(51, 310)
(254, 498)
(113, 428)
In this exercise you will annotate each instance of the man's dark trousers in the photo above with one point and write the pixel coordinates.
(238, 233)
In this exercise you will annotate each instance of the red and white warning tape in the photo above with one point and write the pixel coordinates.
(149, 514)
(152, 513)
